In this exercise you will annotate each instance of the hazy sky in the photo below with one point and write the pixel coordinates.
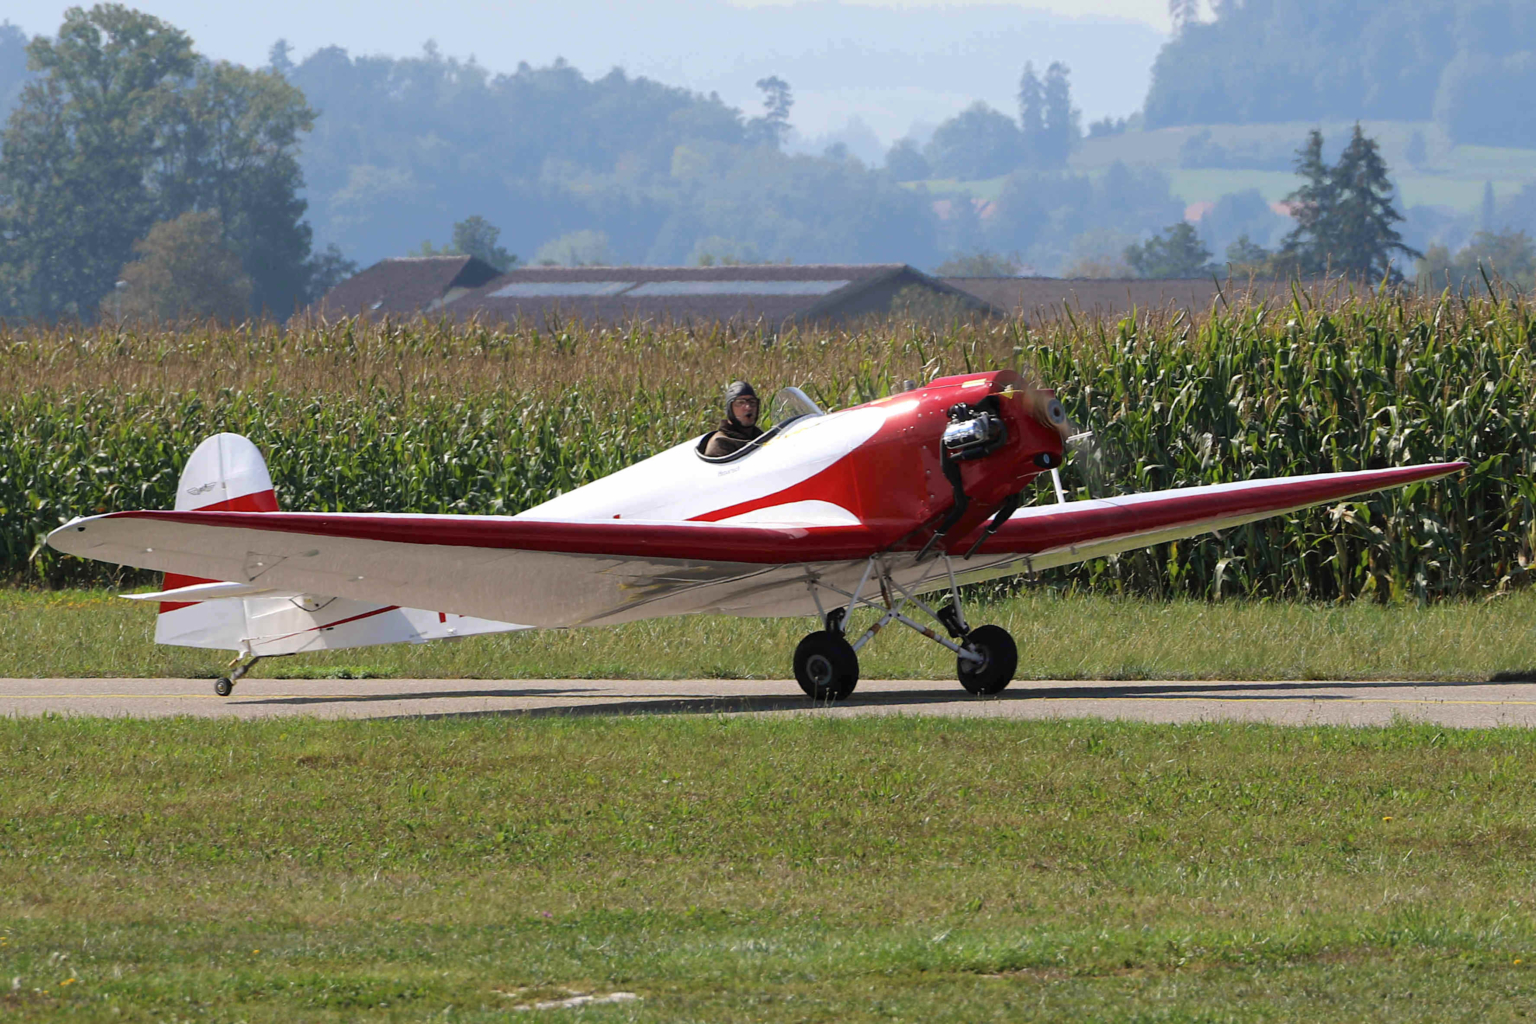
(889, 63)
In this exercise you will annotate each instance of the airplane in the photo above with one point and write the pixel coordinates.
(874, 507)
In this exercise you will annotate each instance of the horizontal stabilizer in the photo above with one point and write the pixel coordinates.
(205, 592)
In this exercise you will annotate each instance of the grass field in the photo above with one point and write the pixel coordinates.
(806, 870)
(1060, 636)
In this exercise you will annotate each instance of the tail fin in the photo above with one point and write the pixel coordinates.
(226, 473)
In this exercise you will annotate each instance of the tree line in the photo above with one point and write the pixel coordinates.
(125, 126)
(982, 142)
(1468, 66)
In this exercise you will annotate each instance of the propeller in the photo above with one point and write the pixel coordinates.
(1087, 462)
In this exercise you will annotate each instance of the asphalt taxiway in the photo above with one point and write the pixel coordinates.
(1455, 704)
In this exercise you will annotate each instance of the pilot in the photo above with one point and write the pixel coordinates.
(739, 427)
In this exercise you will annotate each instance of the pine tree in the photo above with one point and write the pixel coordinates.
(1060, 129)
(1363, 232)
(1487, 215)
(1308, 246)
(1032, 113)
(773, 127)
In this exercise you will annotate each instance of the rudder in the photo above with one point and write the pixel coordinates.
(226, 473)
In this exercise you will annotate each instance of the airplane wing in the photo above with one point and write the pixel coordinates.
(555, 574)
(1046, 536)
(538, 573)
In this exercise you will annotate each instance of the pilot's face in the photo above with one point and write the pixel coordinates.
(745, 411)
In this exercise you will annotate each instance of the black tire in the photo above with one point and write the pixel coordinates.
(223, 687)
(826, 666)
(1000, 660)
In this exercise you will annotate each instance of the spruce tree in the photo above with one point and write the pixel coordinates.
(1364, 233)
(1060, 129)
(1344, 214)
(1308, 245)
(1032, 113)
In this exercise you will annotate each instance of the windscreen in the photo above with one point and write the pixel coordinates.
(791, 404)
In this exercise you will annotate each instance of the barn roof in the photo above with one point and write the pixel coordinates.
(774, 294)
(406, 284)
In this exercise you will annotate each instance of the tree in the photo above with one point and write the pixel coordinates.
(980, 263)
(1246, 253)
(586, 248)
(1363, 238)
(1031, 112)
(327, 268)
(75, 169)
(1417, 153)
(978, 142)
(474, 236)
(13, 65)
(773, 127)
(1344, 214)
(906, 162)
(234, 149)
(1309, 243)
(1486, 215)
(280, 57)
(1175, 253)
(1060, 132)
(184, 268)
(127, 127)
(1507, 256)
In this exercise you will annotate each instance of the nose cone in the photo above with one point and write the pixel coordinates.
(1043, 428)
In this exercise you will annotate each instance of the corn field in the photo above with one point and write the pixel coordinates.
(442, 417)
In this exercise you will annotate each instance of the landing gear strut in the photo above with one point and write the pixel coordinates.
(225, 685)
(827, 665)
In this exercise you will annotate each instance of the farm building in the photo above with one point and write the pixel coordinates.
(405, 285)
(773, 294)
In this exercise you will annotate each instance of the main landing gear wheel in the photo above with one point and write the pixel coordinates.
(999, 660)
(223, 687)
(826, 666)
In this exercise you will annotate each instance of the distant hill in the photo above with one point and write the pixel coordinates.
(1470, 67)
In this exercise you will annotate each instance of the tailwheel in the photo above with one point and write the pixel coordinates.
(999, 659)
(225, 685)
(826, 666)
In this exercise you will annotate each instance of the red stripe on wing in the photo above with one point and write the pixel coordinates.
(1084, 522)
(767, 545)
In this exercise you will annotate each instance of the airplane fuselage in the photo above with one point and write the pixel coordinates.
(881, 464)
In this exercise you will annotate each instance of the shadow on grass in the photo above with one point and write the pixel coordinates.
(1522, 675)
(605, 705)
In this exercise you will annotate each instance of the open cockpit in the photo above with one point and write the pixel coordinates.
(789, 405)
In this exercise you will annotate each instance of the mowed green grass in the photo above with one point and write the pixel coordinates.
(1060, 636)
(771, 870)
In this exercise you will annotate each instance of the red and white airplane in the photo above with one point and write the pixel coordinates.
(871, 507)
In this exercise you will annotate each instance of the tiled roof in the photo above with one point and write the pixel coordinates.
(773, 294)
(404, 285)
